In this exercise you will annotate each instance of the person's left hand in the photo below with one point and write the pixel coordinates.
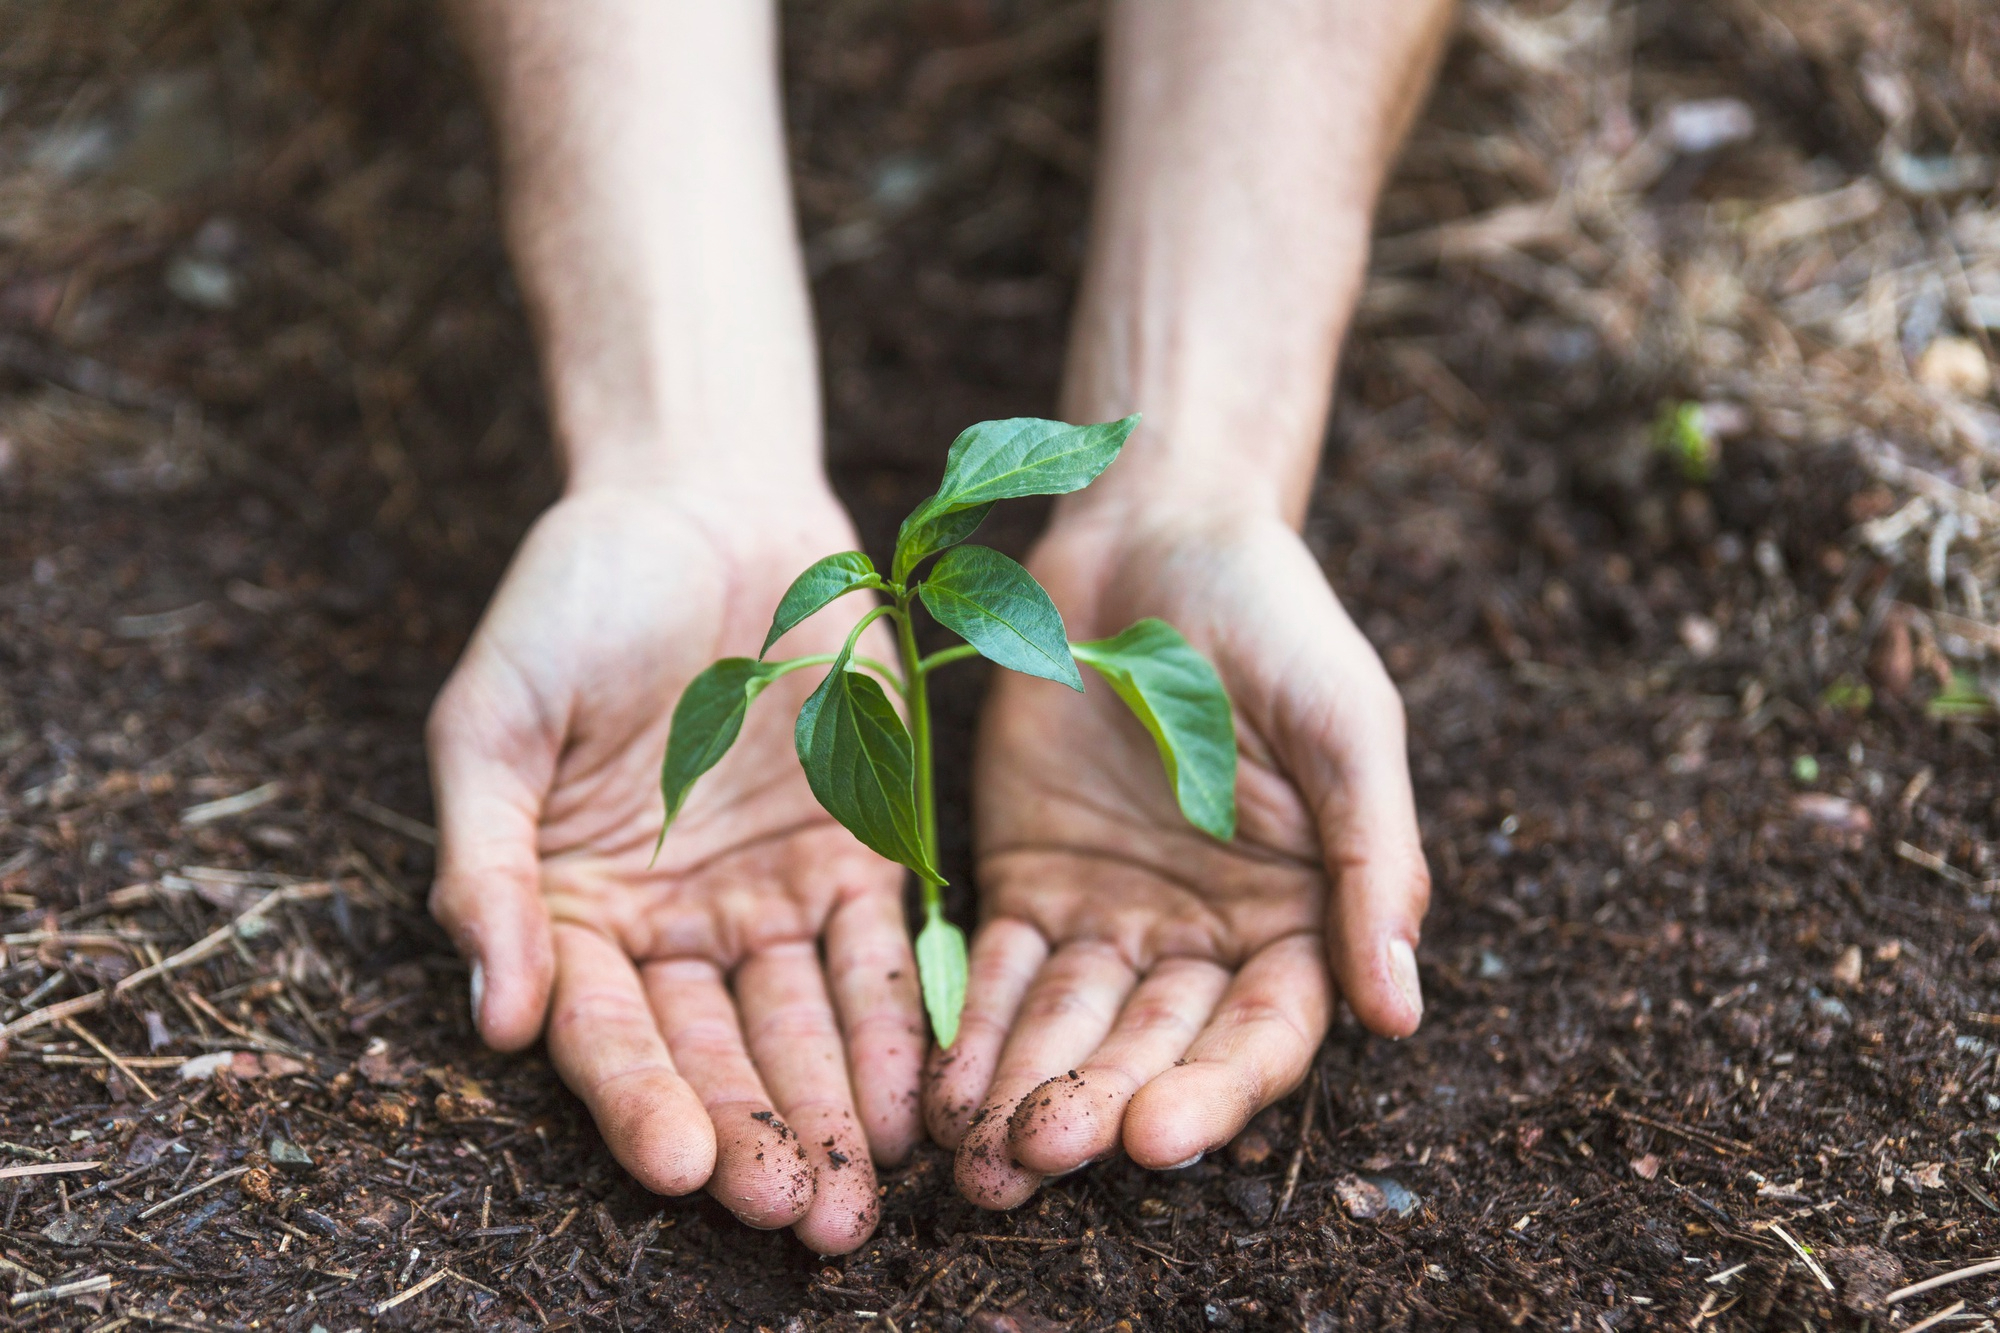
(1135, 981)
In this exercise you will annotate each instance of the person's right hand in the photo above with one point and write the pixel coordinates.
(685, 998)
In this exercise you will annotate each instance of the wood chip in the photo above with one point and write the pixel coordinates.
(46, 1169)
(81, 1287)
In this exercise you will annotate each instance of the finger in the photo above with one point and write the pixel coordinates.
(488, 774)
(1344, 742)
(1004, 958)
(1064, 1017)
(796, 1044)
(761, 1174)
(1076, 1116)
(874, 980)
(1254, 1050)
(1375, 864)
(605, 1045)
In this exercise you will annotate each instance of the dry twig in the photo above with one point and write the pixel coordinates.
(1942, 1280)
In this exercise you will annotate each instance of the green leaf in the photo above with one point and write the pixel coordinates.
(996, 606)
(1004, 460)
(1174, 691)
(926, 533)
(823, 581)
(941, 968)
(861, 764)
(706, 722)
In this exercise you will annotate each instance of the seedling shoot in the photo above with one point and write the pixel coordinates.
(868, 763)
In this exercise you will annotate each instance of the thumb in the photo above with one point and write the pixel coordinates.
(492, 759)
(1341, 735)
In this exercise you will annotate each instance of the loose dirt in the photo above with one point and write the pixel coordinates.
(1713, 969)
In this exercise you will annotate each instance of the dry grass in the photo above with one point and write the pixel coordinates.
(1773, 219)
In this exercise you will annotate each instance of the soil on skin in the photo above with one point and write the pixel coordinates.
(1689, 994)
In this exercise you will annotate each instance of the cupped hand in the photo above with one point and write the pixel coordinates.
(684, 998)
(1134, 982)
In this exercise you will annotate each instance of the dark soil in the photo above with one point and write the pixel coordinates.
(1713, 952)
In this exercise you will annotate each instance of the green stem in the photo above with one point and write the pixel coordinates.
(946, 656)
(917, 696)
(882, 669)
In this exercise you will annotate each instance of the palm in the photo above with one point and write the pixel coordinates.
(1121, 943)
(687, 989)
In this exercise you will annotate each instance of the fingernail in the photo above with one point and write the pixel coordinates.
(1403, 971)
(1182, 1166)
(478, 988)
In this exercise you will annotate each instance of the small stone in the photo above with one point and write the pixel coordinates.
(1398, 1198)
(1847, 968)
(289, 1156)
(1362, 1199)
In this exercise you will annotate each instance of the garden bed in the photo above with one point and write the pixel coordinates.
(1709, 790)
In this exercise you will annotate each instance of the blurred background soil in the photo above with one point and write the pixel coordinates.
(1663, 476)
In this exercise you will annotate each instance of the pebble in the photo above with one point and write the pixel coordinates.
(1367, 1197)
(289, 1156)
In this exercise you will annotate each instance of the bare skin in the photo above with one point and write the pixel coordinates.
(684, 1000)
(1186, 983)
(1135, 984)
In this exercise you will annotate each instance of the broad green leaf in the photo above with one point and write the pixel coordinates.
(1174, 691)
(861, 764)
(1003, 460)
(926, 532)
(941, 968)
(997, 607)
(706, 722)
(823, 581)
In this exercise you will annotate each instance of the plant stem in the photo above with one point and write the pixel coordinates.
(917, 696)
(946, 656)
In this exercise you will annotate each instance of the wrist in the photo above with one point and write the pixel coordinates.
(761, 473)
(1163, 483)
(757, 441)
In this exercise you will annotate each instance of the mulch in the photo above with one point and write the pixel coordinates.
(1713, 968)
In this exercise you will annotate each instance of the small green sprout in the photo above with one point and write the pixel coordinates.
(870, 767)
(1805, 768)
(1848, 695)
(1682, 432)
(1964, 700)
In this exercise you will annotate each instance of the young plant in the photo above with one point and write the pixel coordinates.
(870, 769)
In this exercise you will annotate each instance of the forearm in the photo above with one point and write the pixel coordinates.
(1243, 149)
(649, 216)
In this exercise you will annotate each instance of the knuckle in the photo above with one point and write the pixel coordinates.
(1155, 1016)
(1057, 1003)
(592, 1012)
(794, 1026)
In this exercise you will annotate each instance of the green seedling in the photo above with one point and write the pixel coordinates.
(870, 764)
(1681, 431)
